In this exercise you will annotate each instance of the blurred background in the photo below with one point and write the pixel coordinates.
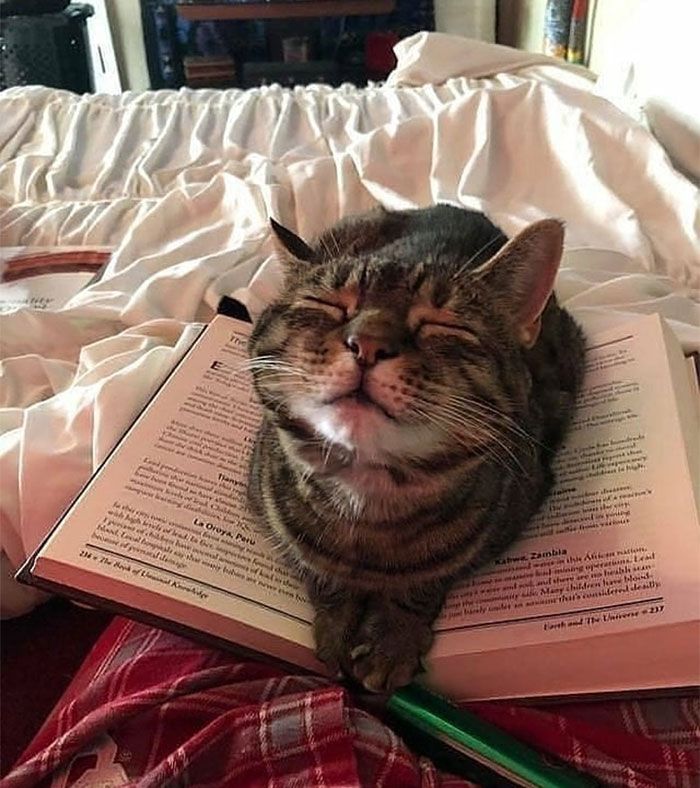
(115, 45)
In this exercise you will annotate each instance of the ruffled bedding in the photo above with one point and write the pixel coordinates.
(182, 184)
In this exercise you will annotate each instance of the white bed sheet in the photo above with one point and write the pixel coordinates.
(183, 183)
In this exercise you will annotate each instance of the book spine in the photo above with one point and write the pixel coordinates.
(557, 23)
(577, 32)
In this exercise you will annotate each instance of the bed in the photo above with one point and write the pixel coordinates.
(182, 185)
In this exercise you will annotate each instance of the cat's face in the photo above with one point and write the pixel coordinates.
(376, 357)
(388, 356)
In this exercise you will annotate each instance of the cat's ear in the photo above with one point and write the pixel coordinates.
(521, 275)
(288, 243)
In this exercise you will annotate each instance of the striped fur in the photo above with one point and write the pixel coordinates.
(417, 376)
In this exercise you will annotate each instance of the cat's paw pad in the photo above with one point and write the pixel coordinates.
(389, 654)
(360, 651)
(383, 673)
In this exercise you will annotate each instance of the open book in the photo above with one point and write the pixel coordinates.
(601, 594)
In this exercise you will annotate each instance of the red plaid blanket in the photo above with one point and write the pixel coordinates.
(152, 709)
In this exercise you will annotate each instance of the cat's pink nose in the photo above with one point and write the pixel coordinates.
(368, 350)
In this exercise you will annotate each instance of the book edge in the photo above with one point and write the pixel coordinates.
(160, 622)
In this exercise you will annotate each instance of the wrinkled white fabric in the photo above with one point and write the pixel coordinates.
(650, 75)
(183, 183)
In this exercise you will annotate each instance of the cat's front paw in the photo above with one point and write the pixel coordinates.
(333, 631)
(375, 639)
(389, 657)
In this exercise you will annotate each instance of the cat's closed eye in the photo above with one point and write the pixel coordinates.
(429, 328)
(332, 308)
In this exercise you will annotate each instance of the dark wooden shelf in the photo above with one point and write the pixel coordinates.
(199, 12)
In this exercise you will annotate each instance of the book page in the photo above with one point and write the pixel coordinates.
(617, 544)
(615, 548)
(167, 512)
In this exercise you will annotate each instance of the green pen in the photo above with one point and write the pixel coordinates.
(470, 736)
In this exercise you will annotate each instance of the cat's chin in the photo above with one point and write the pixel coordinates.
(357, 406)
(353, 421)
(364, 428)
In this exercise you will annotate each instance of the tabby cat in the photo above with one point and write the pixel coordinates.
(416, 375)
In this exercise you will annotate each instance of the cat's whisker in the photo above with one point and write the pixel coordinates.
(499, 440)
(486, 443)
(279, 375)
(456, 418)
(505, 429)
(504, 424)
(493, 412)
(306, 474)
(454, 429)
(335, 242)
(258, 360)
(326, 248)
(488, 244)
(474, 403)
(268, 357)
(452, 422)
(327, 454)
(274, 365)
(248, 365)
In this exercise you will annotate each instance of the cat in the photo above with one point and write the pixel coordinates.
(416, 375)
